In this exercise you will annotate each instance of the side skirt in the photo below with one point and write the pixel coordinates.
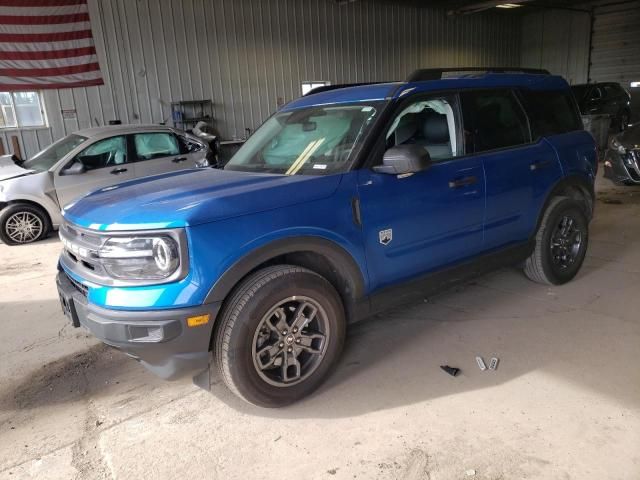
(415, 290)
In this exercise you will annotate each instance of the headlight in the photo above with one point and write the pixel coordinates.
(615, 144)
(140, 257)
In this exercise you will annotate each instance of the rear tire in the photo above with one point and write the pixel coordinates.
(561, 243)
(22, 223)
(279, 335)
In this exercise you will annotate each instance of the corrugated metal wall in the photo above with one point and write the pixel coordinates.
(616, 43)
(557, 40)
(248, 56)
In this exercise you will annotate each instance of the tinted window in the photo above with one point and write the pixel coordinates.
(551, 112)
(613, 90)
(428, 122)
(104, 153)
(492, 120)
(155, 145)
(580, 91)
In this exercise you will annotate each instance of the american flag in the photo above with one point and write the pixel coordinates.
(46, 44)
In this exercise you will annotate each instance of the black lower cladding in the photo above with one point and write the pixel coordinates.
(622, 167)
(159, 339)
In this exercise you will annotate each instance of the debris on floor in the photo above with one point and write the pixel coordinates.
(493, 363)
(470, 473)
(453, 371)
(481, 363)
(611, 201)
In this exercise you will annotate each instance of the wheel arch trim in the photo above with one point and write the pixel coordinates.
(339, 258)
(566, 184)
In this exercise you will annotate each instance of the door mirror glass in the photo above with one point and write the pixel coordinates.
(404, 159)
(76, 168)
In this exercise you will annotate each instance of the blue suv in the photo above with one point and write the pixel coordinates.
(346, 201)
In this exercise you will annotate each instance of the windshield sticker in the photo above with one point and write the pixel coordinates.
(319, 166)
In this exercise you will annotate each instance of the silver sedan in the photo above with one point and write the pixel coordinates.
(33, 192)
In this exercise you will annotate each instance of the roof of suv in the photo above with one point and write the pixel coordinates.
(387, 91)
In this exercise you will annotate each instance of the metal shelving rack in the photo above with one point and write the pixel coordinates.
(185, 114)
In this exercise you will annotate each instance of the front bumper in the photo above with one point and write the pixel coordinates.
(622, 169)
(159, 339)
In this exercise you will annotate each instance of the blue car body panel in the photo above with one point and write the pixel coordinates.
(193, 197)
(394, 228)
(215, 245)
(438, 228)
(432, 225)
(515, 194)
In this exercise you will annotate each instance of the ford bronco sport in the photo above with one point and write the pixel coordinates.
(344, 202)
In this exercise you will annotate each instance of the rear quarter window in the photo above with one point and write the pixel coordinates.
(551, 112)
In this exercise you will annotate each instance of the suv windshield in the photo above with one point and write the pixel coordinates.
(48, 157)
(310, 141)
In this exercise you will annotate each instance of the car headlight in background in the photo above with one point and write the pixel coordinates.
(140, 257)
(615, 144)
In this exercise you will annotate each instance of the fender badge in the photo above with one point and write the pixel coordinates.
(385, 236)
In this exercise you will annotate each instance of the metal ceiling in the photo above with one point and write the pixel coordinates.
(466, 7)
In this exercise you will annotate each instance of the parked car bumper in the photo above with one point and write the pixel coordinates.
(622, 168)
(159, 339)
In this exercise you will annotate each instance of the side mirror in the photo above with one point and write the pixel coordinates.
(404, 159)
(76, 168)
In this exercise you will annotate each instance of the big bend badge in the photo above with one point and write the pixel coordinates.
(385, 236)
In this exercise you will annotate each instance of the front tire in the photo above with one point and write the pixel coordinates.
(561, 243)
(279, 335)
(22, 223)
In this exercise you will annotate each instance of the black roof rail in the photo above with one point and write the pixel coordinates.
(326, 88)
(436, 73)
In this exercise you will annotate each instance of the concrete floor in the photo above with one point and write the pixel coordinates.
(563, 404)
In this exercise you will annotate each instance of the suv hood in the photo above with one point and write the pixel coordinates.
(8, 168)
(193, 197)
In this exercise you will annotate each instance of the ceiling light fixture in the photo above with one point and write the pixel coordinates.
(508, 5)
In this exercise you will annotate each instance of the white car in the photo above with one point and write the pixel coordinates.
(33, 192)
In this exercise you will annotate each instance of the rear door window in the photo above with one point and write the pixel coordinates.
(493, 120)
(551, 112)
(155, 145)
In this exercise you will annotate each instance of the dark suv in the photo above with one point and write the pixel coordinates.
(605, 98)
(345, 202)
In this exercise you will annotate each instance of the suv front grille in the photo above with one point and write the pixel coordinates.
(80, 253)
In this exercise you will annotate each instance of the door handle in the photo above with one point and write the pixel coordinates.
(179, 159)
(463, 182)
(538, 165)
(118, 171)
